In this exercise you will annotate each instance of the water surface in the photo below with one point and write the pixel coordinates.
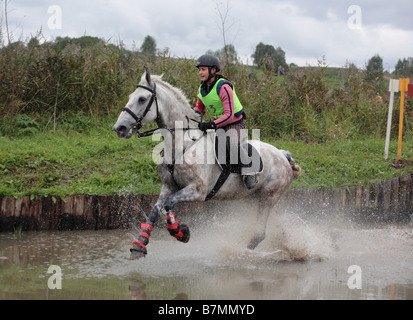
(301, 258)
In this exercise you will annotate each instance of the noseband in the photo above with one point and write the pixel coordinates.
(138, 120)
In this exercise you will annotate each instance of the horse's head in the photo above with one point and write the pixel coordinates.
(140, 109)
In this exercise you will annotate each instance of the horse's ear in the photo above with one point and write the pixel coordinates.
(148, 76)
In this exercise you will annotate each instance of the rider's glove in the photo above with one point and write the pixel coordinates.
(204, 126)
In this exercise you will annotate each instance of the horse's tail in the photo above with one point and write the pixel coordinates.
(296, 168)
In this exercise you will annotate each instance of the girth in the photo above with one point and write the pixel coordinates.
(227, 167)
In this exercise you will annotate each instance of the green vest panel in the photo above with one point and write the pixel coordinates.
(213, 102)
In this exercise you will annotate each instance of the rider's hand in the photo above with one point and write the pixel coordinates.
(204, 126)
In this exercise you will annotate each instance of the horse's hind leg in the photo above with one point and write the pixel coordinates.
(259, 234)
(264, 209)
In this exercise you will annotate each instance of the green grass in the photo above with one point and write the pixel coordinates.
(346, 162)
(67, 162)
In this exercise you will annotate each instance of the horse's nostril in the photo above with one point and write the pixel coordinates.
(120, 129)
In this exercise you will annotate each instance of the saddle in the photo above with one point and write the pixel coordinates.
(230, 162)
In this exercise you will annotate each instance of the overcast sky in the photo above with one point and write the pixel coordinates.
(340, 30)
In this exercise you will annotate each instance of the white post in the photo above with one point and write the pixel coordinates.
(393, 87)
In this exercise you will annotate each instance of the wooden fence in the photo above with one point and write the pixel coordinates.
(386, 202)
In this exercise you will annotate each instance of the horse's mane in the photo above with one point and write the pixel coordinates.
(178, 94)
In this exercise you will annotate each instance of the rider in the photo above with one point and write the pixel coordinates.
(217, 96)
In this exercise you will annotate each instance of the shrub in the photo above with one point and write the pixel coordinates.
(67, 81)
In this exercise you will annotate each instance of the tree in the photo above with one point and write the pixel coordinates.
(226, 55)
(374, 70)
(12, 71)
(404, 68)
(149, 46)
(267, 57)
(83, 42)
(33, 43)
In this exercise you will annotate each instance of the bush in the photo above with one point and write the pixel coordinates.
(65, 82)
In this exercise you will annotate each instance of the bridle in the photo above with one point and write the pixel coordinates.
(138, 124)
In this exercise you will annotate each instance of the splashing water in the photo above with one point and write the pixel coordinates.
(302, 257)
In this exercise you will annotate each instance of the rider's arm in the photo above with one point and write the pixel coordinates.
(200, 107)
(227, 96)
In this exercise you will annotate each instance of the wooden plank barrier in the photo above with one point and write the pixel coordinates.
(388, 201)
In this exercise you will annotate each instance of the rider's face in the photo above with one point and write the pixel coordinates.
(204, 73)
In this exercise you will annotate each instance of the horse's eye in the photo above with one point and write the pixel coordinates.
(142, 100)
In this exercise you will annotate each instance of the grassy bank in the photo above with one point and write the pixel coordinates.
(69, 162)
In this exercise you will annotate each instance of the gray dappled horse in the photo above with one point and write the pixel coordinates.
(185, 173)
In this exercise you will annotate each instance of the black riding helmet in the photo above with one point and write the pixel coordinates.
(208, 60)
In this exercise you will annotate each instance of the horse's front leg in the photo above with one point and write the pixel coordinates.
(189, 193)
(138, 248)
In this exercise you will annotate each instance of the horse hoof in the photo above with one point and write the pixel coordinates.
(137, 252)
(185, 232)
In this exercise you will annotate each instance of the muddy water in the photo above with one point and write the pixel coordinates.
(301, 258)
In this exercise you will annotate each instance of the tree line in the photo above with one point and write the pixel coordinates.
(267, 57)
(59, 83)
